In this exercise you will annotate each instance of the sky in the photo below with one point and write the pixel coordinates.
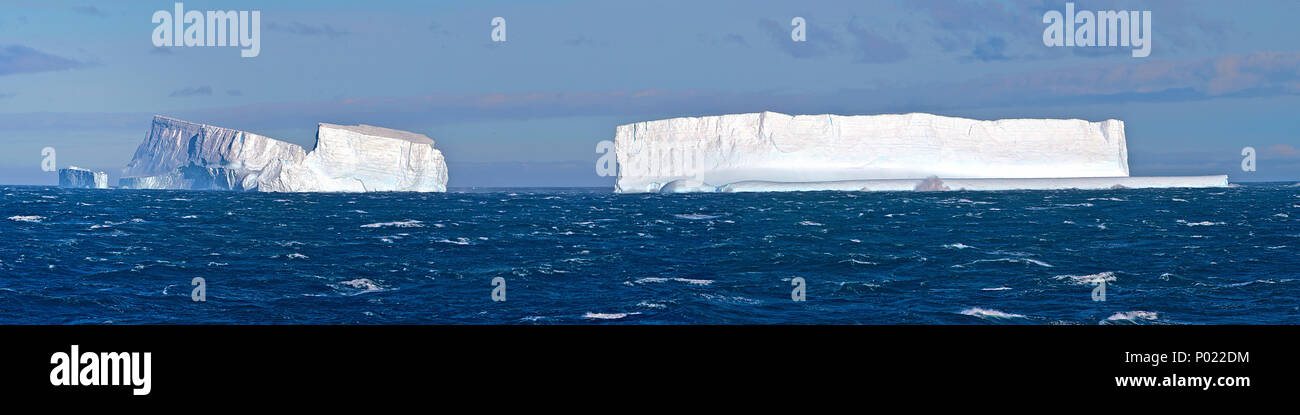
(85, 78)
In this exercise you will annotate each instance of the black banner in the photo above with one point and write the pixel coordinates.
(422, 362)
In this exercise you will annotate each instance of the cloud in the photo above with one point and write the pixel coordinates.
(871, 47)
(1256, 74)
(6, 95)
(992, 49)
(16, 59)
(191, 92)
(299, 28)
(90, 11)
(1147, 80)
(1284, 150)
(958, 26)
(234, 92)
(867, 46)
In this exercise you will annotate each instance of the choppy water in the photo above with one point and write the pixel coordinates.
(1214, 256)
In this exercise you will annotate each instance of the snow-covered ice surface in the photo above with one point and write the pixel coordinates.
(777, 152)
(184, 155)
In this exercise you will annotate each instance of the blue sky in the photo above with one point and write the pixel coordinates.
(83, 77)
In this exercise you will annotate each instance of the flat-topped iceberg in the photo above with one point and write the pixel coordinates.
(79, 178)
(777, 152)
(184, 155)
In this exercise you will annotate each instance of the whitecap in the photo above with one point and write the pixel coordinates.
(410, 223)
(989, 313)
(1092, 279)
(607, 316)
(364, 284)
(809, 223)
(647, 280)
(695, 216)
(995, 289)
(1202, 223)
(29, 218)
(958, 245)
(1133, 316)
(1018, 260)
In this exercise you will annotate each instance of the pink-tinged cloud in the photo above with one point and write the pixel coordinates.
(1284, 150)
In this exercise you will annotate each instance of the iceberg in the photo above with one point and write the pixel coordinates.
(770, 151)
(359, 158)
(79, 178)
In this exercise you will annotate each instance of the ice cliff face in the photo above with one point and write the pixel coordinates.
(362, 158)
(76, 177)
(183, 155)
(690, 154)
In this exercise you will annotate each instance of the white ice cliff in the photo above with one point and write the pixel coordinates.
(76, 177)
(776, 152)
(183, 155)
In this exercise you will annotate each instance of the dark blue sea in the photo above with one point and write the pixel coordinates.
(587, 256)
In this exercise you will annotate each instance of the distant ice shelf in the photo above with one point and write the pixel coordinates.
(184, 155)
(769, 151)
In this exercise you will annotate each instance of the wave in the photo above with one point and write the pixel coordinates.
(1026, 261)
(1133, 316)
(28, 218)
(409, 223)
(1091, 279)
(989, 313)
(647, 280)
(365, 285)
(1202, 223)
(695, 216)
(608, 316)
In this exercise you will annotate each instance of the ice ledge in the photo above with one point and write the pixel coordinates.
(936, 184)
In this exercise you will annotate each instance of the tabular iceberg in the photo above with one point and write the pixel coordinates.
(777, 152)
(76, 177)
(184, 155)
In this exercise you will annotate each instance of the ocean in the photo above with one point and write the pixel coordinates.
(588, 256)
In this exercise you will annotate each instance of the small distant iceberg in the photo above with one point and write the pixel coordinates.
(79, 178)
(180, 154)
(772, 152)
